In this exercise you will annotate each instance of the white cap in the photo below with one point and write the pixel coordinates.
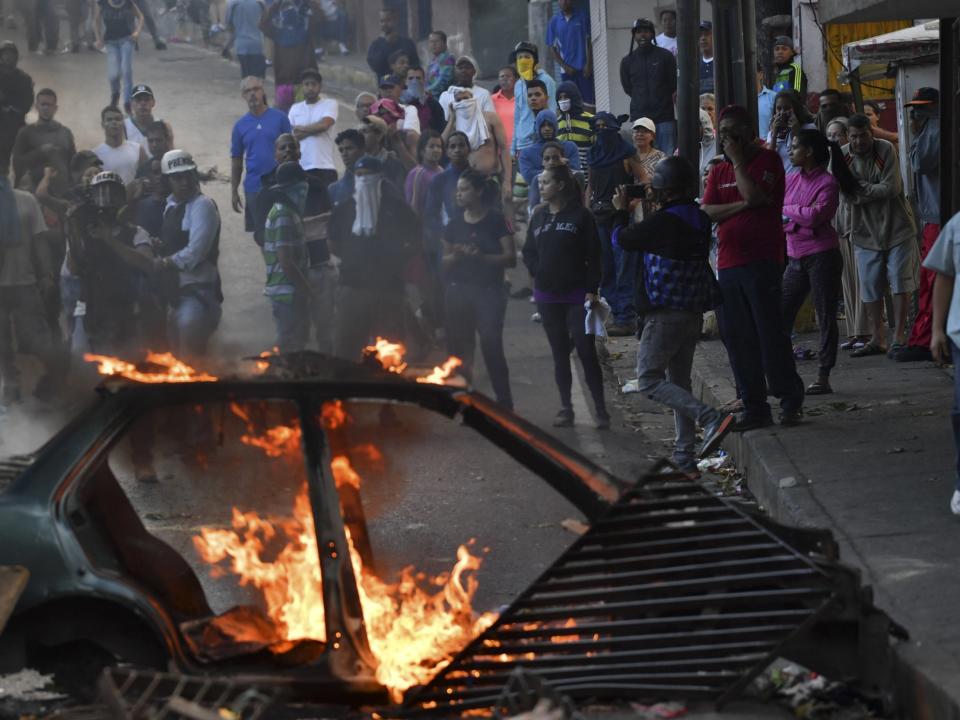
(177, 161)
(645, 123)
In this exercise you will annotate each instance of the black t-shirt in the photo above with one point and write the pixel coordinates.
(118, 22)
(485, 236)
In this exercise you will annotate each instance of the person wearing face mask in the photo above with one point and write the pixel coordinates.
(415, 95)
(374, 234)
(531, 158)
(489, 153)
(574, 124)
(533, 83)
(648, 74)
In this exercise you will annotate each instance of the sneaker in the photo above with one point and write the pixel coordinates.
(160, 45)
(914, 353)
(714, 433)
(789, 418)
(564, 418)
(955, 503)
(603, 420)
(688, 468)
(536, 318)
(344, 50)
(746, 422)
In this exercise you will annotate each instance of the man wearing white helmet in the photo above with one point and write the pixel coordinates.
(182, 264)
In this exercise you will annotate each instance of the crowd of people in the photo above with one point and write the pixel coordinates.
(441, 175)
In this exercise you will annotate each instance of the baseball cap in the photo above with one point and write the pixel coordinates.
(468, 59)
(390, 81)
(142, 90)
(784, 40)
(706, 25)
(177, 161)
(311, 73)
(925, 96)
(645, 123)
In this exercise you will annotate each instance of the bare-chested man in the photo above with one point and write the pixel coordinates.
(489, 149)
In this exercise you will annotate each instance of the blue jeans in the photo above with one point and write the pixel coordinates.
(292, 320)
(664, 363)
(618, 277)
(758, 343)
(191, 323)
(955, 414)
(335, 29)
(120, 64)
(666, 139)
(472, 311)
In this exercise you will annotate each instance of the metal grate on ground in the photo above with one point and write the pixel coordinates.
(674, 593)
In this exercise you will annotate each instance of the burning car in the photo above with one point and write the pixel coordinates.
(266, 551)
(253, 554)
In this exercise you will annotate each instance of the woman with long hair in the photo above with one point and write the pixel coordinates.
(790, 116)
(562, 253)
(477, 247)
(814, 261)
(872, 109)
(429, 155)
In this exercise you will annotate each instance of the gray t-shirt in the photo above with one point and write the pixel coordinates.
(243, 17)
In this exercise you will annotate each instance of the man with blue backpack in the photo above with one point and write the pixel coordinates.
(674, 287)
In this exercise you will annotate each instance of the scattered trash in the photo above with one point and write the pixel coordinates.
(812, 696)
(788, 482)
(574, 526)
(630, 386)
(27, 685)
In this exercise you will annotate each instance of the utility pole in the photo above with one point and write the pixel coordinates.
(688, 79)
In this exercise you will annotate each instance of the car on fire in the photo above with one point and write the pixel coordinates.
(108, 556)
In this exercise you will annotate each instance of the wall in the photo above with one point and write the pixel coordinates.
(616, 17)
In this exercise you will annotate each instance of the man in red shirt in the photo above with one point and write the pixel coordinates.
(744, 195)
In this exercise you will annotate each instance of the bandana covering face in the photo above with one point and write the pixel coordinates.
(414, 91)
(470, 121)
(525, 67)
(564, 104)
(366, 194)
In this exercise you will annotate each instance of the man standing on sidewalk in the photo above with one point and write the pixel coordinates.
(925, 163)
(744, 196)
(568, 36)
(945, 333)
(649, 76)
(883, 234)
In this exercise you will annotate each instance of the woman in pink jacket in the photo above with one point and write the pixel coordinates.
(814, 262)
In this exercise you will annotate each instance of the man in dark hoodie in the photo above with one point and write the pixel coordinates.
(16, 99)
(648, 74)
(531, 158)
(674, 287)
(574, 124)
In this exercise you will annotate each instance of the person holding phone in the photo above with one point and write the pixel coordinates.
(789, 118)
(744, 196)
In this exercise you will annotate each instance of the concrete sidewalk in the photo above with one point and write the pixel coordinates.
(872, 462)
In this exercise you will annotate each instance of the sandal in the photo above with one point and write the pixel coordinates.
(867, 350)
(819, 387)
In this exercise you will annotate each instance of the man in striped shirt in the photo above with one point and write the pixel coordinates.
(285, 255)
(573, 123)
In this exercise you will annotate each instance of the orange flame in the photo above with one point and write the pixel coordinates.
(175, 371)
(412, 632)
(442, 372)
(263, 365)
(389, 354)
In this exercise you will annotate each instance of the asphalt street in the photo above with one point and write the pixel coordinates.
(454, 487)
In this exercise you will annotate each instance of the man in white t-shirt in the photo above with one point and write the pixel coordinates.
(667, 39)
(118, 154)
(312, 121)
